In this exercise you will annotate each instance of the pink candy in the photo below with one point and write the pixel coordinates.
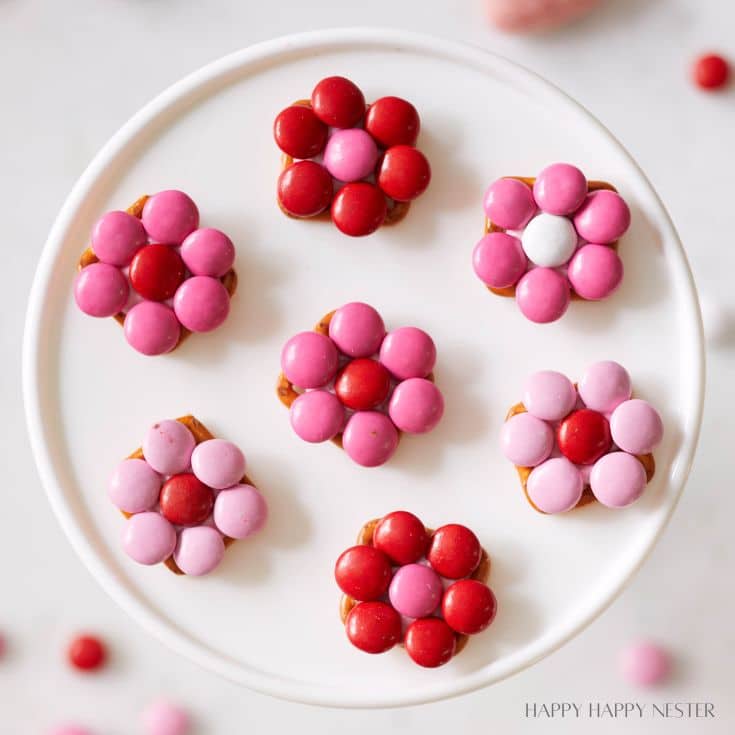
(416, 406)
(165, 718)
(309, 360)
(199, 550)
(370, 438)
(509, 204)
(415, 590)
(350, 155)
(595, 272)
(604, 386)
(549, 395)
(618, 479)
(408, 352)
(317, 416)
(542, 295)
(170, 216)
(636, 426)
(603, 217)
(134, 486)
(218, 463)
(208, 252)
(117, 236)
(499, 260)
(560, 188)
(201, 303)
(100, 290)
(555, 486)
(357, 329)
(644, 663)
(240, 511)
(148, 538)
(167, 447)
(152, 328)
(526, 440)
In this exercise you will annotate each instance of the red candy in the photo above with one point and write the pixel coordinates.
(185, 500)
(359, 208)
(304, 189)
(710, 71)
(454, 551)
(338, 102)
(402, 536)
(392, 121)
(469, 606)
(86, 653)
(404, 173)
(299, 132)
(363, 572)
(156, 271)
(430, 642)
(362, 384)
(584, 436)
(373, 627)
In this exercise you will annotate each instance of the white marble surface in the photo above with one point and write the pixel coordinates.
(73, 72)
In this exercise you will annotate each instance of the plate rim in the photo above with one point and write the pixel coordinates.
(32, 369)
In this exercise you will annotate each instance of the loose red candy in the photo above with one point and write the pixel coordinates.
(359, 208)
(711, 71)
(404, 173)
(363, 572)
(86, 653)
(156, 271)
(402, 536)
(584, 436)
(469, 606)
(362, 384)
(299, 132)
(304, 189)
(430, 642)
(373, 627)
(185, 500)
(454, 551)
(392, 121)
(338, 102)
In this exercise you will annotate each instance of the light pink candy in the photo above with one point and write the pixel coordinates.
(199, 550)
(240, 511)
(370, 438)
(309, 360)
(167, 447)
(595, 272)
(549, 395)
(509, 204)
(618, 479)
(542, 295)
(208, 252)
(317, 416)
(416, 406)
(604, 386)
(152, 328)
(148, 538)
(350, 155)
(165, 718)
(603, 218)
(218, 463)
(201, 303)
(636, 426)
(499, 260)
(134, 486)
(117, 236)
(69, 730)
(408, 352)
(644, 663)
(555, 486)
(415, 590)
(100, 290)
(170, 216)
(560, 188)
(526, 440)
(357, 329)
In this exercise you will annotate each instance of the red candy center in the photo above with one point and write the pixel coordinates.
(185, 500)
(156, 271)
(584, 436)
(362, 384)
(711, 71)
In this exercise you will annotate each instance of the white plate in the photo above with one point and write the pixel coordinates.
(268, 617)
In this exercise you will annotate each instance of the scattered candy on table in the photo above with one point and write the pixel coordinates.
(157, 272)
(87, 653)
(564, 439)
(401, 575)
(645, 663)
(186, 496)
(551, 237)
(526, 16)
(350, 382)
(710, 72)
(162, 717)
(360, 160)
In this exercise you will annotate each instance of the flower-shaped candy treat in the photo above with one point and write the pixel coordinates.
(157, 272)
(186, 497)
(551, 238)
(575, 444)
(350, 382)
(360, 160)
(406, 584)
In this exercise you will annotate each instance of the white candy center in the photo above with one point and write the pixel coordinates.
(549, 240)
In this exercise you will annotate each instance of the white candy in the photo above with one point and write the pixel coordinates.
(549, 240)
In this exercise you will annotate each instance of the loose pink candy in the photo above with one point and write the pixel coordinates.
(148, 538)
(636, 426)
(152, 328)
(509, 204)
(167, 447)
(555, 486)
(350, 155)
(549, 395)
(117, 236)
(201, 303)
(357, 329)
(208, 252)
(164, 718)
(170, 216)
(370, 438)
(69, 730)
(603, 217)
(415, 590)
(526, 440)
(408, 352)
(100, 290)
(218, 463)
(309, 360)
(499, 260)
(134, 486)
(240, 511)
(560, 188)
(595, 271)
(618, 479)
(604, 386)
(644, 663)
(542, 295)
(199, 550)
(317, 416)
(416, 406)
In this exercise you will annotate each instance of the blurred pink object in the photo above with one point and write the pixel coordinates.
(165, 718)
(644, 663)
(524, 16)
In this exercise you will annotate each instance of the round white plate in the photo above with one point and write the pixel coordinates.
(268, 617)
